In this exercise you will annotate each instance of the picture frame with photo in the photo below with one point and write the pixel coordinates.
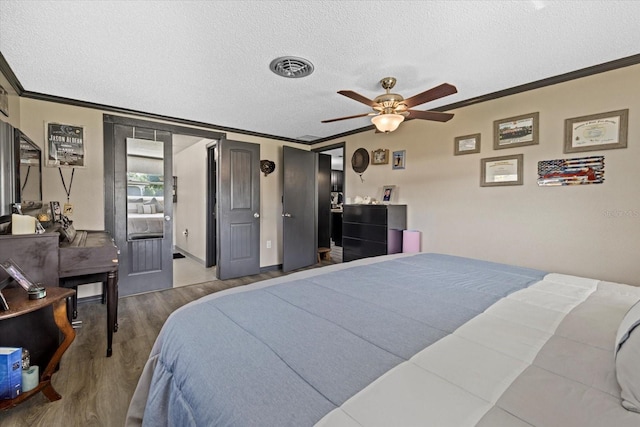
(389, 194)
(399, 159)
(17, 274)
(380, 157)
(56, 211)
(516, 131)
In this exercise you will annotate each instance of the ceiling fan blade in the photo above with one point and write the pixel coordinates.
(430, 115)
(444, 89)
(345, 118)
(357, 97)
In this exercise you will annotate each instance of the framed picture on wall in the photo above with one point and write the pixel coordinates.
(467, 144)
(515, 131)
(4, 101)
(499, 171)
(64, 145)
(380, 157)
(602, 131)
(399, 159)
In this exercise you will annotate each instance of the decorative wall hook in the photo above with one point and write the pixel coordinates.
(267, 166)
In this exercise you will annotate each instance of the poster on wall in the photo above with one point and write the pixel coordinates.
(65, 145)
(578, 171)
(4, 101)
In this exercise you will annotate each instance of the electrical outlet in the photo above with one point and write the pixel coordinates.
(268, 244)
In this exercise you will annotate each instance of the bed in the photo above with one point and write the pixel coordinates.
(145, 217)
(402, 340)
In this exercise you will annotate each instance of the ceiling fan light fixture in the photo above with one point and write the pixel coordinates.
(387, 122)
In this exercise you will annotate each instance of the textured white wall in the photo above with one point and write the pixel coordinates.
(190, 167)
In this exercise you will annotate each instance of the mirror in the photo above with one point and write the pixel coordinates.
(20, 171)
(145, 189)
(30, 170)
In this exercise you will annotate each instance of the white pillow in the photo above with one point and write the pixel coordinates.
(149, 209)
(627, 354)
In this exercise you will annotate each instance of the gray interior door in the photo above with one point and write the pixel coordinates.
(299, 208)
(143, 209)
(238, 209)
(324, 201)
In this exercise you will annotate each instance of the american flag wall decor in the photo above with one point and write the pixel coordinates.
(578, 171)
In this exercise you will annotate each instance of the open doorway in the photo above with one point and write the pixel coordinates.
(337, 197)
(145, 262)
(190, 206)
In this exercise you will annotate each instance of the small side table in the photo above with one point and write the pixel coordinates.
(20, 304)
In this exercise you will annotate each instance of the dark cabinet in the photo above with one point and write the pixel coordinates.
(324, 201)
(337, 178)
(37, 256)
(336, 228)
(372, 230)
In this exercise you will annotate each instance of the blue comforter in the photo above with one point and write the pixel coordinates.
(289, 353)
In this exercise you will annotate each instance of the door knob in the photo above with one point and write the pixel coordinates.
(167, 218)
(256, 215)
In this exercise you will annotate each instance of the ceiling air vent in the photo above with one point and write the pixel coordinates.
(291, 67)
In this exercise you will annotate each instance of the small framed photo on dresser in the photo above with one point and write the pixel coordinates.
(389, 194)
(56, 211)
(17, 274)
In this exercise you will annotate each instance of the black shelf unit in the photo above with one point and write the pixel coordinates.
(372, 230)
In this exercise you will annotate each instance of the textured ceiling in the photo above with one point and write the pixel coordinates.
(208, 61)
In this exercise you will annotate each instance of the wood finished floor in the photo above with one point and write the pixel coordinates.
(96, 390)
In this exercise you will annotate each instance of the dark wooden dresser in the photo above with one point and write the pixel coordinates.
(372, 230)
(91, 257)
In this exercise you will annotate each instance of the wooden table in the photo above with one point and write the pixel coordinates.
(19, 304)
(92, 257)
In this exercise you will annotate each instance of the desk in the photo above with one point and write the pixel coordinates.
(110, 278)
(19, 305)
(92, 257)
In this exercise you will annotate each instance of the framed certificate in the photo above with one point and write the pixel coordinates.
(467, 144)
(596, 132)
(498, 171)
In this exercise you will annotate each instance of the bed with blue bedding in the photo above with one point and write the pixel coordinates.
(403, 340)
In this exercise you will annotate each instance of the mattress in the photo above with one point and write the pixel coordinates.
(422, 339)
(145, 226)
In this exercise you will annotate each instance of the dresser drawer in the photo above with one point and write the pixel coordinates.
(369, 214)
(376, 233)
(356, 248)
